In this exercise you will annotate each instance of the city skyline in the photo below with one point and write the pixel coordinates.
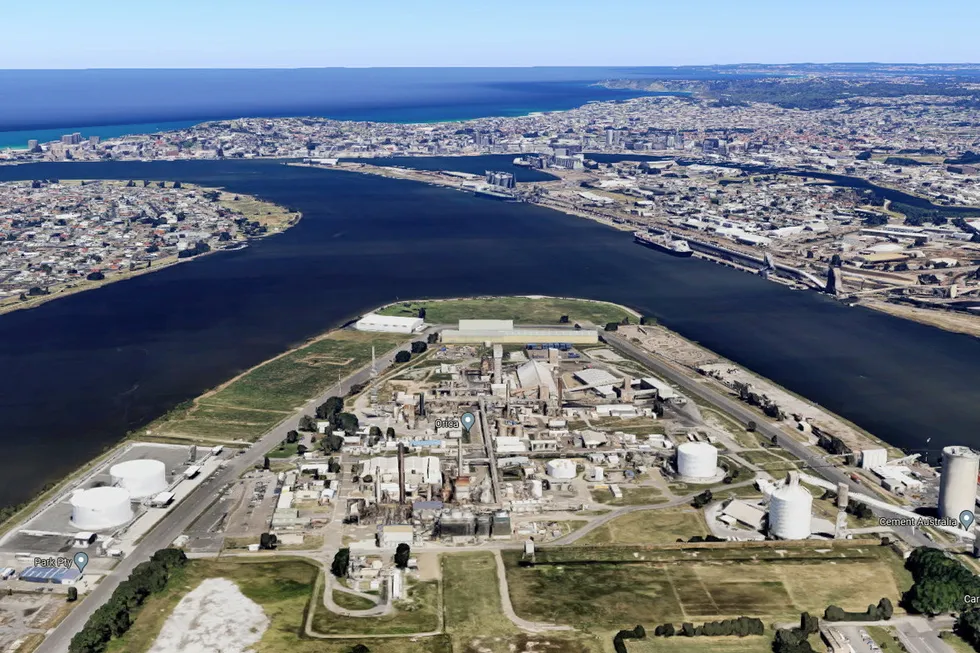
(300, 34)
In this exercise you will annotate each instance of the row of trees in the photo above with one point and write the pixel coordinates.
(114, 617)
(740, 627)
(619, 641)
(878, 612)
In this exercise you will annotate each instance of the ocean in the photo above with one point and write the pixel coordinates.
(45, 104)
(81, 371)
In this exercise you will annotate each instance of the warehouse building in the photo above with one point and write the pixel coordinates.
(389, 324)
(504, 332)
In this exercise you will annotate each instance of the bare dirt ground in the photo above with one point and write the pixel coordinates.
(957, 322)
(214, 618)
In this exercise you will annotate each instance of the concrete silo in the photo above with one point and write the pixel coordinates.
(697, 460)
(790, 508)
(958, 484)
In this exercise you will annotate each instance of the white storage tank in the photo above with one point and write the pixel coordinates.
(561, 468)
(958, 484)
(790, 508)
(697, 460)
(141, 478)
(100, 508)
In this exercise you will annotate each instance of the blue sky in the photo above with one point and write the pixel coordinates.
(314, 33)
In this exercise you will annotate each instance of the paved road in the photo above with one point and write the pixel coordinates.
(744, 414)
(178, 519)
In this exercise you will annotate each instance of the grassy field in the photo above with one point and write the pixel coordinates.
(523, 310)
(474, 618)
(632, 496)
(276, 218)
(351, 601)
(697, 588)
(756, 644)
(282, 587)
(255, 401)
(649, 527)
(768, 460)
(419, 613)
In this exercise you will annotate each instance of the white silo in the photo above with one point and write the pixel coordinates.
(597, 474)
(100, 508)
(141, 478)
(537, 489)
(790, 506)
(697, 460)
(561, 469)
(958, 485)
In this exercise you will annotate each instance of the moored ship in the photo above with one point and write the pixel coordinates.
(664, 243)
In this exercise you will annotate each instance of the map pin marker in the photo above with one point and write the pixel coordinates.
(81, 561)
(468, 420)
(966, 519)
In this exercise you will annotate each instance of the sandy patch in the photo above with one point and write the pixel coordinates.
(214, 618)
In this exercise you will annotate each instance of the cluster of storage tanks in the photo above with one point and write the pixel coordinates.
(106, 507)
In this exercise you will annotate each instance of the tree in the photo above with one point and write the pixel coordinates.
(563, 319)
(403, 357)
(265, 463)
(331, 443)
(301, 449)
(72, 593)
(612, 326)
(95, 276)
(645, 320)
(360, 648)
(402, 554)
(751, 426)
(703, 499)
(968, 627)
(432, 338)
(341, 563)
(808, 623)
(347, 422)
(422, 313)
(292, 436)
(419, 346)
(307, 423)
(268, 541)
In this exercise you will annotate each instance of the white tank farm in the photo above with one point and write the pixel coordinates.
(100, 508)
(561, 468)
(697, 460)
(958, 484)
(790, 510)
(142, 478)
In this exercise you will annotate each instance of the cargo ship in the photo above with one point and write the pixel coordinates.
(664, 243)
(494, 195)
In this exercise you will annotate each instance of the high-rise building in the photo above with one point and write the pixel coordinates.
(32, 144)
(93, 140)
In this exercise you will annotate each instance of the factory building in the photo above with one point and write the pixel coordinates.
(419, 470)
(536, 375)
(790, 507)
(504, 332)
(389, 324)
(502, 179)
(697, 460)
(600, 381)
(141, 478)
(958, 484)
(100, 508)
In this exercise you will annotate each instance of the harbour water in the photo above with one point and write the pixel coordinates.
(77, 373)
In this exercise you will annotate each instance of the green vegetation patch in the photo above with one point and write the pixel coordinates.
(253, 403)
(352, 601)
(281, 586)
(472, 597)
(419, 613)
(523, 310)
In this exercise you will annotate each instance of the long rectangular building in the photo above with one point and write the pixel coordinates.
(504, 332)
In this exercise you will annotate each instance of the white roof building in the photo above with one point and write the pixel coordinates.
(389, 323)
(534, 373)
(419, 470)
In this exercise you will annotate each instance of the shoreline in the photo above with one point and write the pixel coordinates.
(925, 317)
(142, 434)
(62, 290)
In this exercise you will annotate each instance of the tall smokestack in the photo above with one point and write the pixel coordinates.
(498, 363)
(401, 473)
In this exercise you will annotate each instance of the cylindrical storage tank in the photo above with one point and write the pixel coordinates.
(789, 510)
(537, 491)
(100, 508)
(141, 478)
(697, 460)
(597, 474)
(561, 468)
(958, 485)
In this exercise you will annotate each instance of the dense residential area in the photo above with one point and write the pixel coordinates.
(56, 234)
